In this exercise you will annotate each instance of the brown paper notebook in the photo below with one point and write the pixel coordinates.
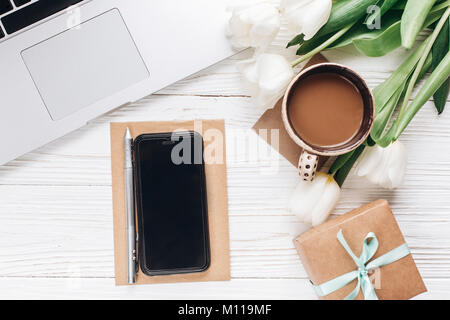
(271, 120)
(217, 199)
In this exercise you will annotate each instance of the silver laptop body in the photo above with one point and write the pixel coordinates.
(64, 62)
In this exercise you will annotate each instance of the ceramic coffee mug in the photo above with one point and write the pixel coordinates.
(309, 158)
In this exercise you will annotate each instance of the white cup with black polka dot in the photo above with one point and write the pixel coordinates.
(309, 159)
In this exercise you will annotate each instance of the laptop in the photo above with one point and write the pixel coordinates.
(65, 62)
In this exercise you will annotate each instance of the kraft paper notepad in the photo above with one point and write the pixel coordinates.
(217, 199)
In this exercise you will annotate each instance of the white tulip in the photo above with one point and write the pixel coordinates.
(267, 76)
(306, 16)
(383, 166)
(253, 24)
(312, 202)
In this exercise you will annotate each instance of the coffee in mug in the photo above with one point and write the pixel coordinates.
(328, 110)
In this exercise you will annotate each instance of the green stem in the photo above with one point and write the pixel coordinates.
(322, 47)
(428, 47)
(386, 114)
(440, 6)
(432, 84)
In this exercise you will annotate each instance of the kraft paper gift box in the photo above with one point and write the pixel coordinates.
(325, 258)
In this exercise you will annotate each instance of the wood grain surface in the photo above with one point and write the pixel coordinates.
(56, 207)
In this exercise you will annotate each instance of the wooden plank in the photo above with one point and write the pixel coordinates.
(82, 157)
(50, 231)
(55, 202)
(81, 288)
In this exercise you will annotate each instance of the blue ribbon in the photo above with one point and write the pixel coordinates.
(370, 247)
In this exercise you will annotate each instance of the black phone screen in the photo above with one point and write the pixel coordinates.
(171, 203)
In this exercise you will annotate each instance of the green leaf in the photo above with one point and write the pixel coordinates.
(343, 172)
(380, 42)
(440, 49)
(370, 142)
(385, 114)
(384, 6)
(360, 30)
(340, 162)
(296, 41)
(437, 78)
(322, 46)
(425, 56)
(381, 45)
(343, 13)
(384, 92)
(310, 45)
(414, 16)
(400, 5)
(389, 93)
(376, 43)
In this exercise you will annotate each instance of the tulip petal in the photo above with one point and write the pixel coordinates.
(293, 11)
(398, 163)
(328, 201)
(368, 161)
(318, 14)
(306, 16)
(385, 167)
(312, 202)
(253, 24)
(302, 200)
(266, 24)
(267, 76)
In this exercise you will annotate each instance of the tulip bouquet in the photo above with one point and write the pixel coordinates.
(374, 28)
(256, 23)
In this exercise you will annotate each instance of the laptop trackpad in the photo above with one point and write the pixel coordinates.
(85, 64)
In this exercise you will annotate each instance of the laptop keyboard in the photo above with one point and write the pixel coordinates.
(19, 14)
(5, 6)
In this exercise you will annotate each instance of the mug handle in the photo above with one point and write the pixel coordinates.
(307, 165)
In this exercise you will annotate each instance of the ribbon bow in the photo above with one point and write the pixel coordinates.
(370, 247)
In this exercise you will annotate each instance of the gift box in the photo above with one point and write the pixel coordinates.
(360, 255)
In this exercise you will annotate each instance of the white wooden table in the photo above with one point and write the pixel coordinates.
(56, 212)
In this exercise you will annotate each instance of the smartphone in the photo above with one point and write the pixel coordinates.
(171, 204)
